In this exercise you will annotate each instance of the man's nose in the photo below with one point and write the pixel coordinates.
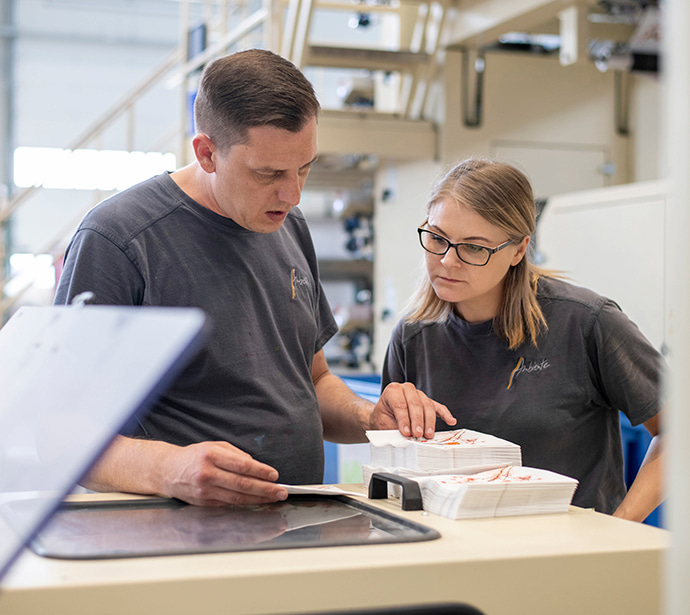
(291, 190)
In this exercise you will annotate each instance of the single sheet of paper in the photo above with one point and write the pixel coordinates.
(318, 490)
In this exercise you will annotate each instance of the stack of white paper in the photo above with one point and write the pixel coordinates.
(460, 451)
(394, 489)
(497, 493)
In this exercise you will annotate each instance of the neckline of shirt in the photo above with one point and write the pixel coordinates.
(199, 209)
(480, 328)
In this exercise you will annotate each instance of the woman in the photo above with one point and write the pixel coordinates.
(518, 353)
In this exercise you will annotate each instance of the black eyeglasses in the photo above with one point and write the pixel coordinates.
(469, 253)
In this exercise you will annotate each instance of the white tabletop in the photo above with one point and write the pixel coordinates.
(561, 564)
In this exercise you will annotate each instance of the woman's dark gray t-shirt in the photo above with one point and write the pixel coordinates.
(559, 401)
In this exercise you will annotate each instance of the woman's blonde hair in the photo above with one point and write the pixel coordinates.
(503, 196)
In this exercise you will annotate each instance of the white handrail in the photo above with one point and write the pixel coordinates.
(102, 124)
(219, 47)
(172, 63)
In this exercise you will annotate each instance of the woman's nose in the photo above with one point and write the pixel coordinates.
(450, 257)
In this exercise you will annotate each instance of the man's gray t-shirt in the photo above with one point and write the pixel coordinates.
(559, 401)
(250, 385)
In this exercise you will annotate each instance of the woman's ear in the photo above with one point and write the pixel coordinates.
(520, 252)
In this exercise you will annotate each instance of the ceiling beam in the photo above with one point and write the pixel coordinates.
(480, 22)
(384, 135)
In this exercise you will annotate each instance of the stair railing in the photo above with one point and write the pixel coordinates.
(176, 69)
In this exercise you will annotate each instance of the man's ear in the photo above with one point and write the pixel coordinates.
(204, 150)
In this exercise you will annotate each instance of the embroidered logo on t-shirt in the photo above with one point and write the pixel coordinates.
(527, 368)
(297, 279)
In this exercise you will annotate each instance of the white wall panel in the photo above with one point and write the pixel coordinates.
(613, 241)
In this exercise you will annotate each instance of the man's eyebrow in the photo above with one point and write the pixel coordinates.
(312, 161)
(273, 170)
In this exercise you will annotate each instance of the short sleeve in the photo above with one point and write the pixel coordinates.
(628, 368)
(394, 363)
(94, 263)
(325, 319)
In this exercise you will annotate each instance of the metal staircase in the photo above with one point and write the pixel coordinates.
(405, 128)
(283, 27)
(416, 58)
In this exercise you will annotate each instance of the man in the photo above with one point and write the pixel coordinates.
(222, 234)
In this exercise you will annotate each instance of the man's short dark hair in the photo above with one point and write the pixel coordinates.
(248, 89)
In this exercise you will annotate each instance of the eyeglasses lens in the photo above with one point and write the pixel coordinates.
(474, 255)
(470, 253)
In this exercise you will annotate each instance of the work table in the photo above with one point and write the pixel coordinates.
(561, 564)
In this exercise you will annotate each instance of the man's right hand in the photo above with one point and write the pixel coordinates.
(205, 474)
(218, 473)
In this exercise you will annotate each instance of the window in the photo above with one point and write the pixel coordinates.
(86, 169)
